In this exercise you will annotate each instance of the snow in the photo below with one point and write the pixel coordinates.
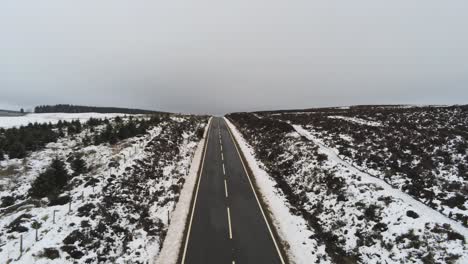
(406, 202)
(357, 120)
(52, 235)
(128, 154)
(349, 212)
(174, 238)
(292, 229)
(16, 121)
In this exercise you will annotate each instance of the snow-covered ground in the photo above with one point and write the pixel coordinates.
(292, 229)
(339, 213)
(120, 209)
(16, 121)
(357, 120)
(422, 151)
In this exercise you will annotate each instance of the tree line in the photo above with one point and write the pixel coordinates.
(67, 108)
(17, 142)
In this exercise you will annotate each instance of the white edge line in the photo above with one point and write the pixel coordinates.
(196, 195)
(229, 222)
(224, 170)
(255, 194)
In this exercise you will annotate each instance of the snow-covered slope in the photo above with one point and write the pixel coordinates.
(350, 216)
(119, 209)
(16, 121)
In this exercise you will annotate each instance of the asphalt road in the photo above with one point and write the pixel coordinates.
(227, 225)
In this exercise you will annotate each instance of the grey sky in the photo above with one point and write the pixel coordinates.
(222, 56)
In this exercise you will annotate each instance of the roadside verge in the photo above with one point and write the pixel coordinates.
(177, 231)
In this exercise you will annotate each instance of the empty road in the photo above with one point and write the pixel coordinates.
(226, 224)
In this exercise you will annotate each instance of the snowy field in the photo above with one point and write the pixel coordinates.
(16, 121)
(329, 209)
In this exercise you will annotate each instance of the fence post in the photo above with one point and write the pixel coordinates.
(69, 203)
(21, 245)
(53, 217)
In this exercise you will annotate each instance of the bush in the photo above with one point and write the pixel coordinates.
(200, 132)
(7, 201)
(412, 214)
(50, 253)
(60, 200)
(50, 182)
(17, 151)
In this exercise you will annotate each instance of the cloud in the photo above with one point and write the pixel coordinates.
(217, 57)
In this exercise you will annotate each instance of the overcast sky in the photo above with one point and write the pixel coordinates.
(222, 56)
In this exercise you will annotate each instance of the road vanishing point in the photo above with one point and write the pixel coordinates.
(227, 223)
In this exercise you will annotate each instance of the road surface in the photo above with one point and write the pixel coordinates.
(226, 224)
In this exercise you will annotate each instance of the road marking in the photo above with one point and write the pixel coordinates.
(256, 197)
(224, 170)
(229, 222)
(222, 156)
(196, 193)
(225, 188)
(221, 147)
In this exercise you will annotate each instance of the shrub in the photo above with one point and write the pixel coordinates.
(50, 182)
(16, 151)
(200, 132)
(412, 214)
(78, 165)
(7, 201)
(50, 253)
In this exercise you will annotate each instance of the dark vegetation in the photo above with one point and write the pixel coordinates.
(415, 149)
(113, 133)
(78, 165)
(127, 201)
(268, 137)
(51, 182)
(66, 108)
(17, 142)
(283, 154)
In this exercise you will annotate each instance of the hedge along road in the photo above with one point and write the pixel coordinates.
(227, 224)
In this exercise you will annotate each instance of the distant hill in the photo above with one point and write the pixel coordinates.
(66, 108)
(10, 113)
(357, 107)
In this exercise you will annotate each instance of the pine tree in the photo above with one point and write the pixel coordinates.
(78, 165)
(2, 155)
(50, 182)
